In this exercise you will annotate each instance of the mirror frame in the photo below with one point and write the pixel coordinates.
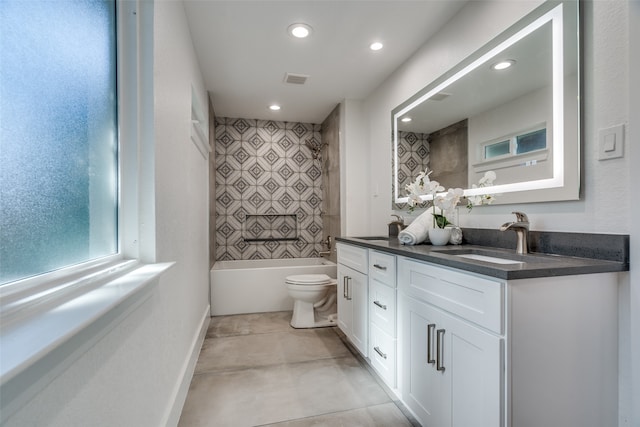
(551, 11)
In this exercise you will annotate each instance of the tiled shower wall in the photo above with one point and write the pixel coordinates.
(331, 179)
(265, 174)
(413, 157)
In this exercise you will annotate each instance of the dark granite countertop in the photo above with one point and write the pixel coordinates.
(529, 266)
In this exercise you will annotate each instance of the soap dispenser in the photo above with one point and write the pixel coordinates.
(396, 226)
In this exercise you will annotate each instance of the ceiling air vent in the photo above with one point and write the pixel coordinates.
(296, 79)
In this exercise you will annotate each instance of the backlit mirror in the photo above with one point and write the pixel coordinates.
(512, 107)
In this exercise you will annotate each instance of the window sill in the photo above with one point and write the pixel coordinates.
(38, 341)
(526, 159)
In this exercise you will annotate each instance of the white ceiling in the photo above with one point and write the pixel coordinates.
(244, 51)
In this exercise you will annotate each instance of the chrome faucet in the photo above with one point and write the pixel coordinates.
(395, 227)
(521, 227)
(327, 243)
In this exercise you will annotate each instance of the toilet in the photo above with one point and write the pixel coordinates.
(314, 298)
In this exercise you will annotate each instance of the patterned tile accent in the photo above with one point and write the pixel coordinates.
(268, 227)
(413, 157)
(267, 185)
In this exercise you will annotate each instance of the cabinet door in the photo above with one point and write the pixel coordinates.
(425, 390)
(353, 306)
(474, 364)
(358, 291)
(452, 371)
(345, 306)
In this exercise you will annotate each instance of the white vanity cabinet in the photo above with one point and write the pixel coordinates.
(352, 294)
(452, 368)
(484, 352)
(382, 315)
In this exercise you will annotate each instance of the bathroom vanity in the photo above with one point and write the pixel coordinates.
(475, 336)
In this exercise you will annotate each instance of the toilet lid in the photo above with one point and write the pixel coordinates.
(309, 279)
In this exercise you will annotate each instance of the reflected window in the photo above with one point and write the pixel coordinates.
(498, 149)
(522, 142)
(531, 141)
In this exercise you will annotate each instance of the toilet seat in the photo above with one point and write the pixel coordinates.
(308, 279)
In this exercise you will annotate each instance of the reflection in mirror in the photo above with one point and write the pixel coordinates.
(519, 120)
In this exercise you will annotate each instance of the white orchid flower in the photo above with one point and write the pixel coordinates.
(487, 179)
(434, 187)
(414, 199)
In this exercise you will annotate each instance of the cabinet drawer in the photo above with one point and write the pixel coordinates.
(473, 298)
(353, 256)
(382, 354)
(382, 267)
(382, 306)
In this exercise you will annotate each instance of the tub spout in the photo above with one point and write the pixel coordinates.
(328, 243)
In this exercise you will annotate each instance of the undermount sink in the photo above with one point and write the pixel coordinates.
(495, 257)
(490, 259)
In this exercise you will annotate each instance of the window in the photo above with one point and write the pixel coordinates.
(531, 141)
(517, 144)
(497, 149)
(58, 135)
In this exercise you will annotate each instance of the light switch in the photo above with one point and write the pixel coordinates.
(611, 142)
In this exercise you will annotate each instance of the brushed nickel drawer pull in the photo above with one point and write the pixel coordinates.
(380, 267)
(430, 328)
(377, 350)
(440, 350)
(382, 306)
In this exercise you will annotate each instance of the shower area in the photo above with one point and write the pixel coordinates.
(274, 188)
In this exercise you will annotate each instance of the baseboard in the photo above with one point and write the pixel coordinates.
(172, 417)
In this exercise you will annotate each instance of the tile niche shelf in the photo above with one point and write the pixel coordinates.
(262, 228)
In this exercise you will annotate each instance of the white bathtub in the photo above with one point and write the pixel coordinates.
(257, 286)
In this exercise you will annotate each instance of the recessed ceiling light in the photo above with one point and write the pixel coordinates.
(503, 65)
(406, 119)
(274, 107)
(299, 30)
(375, 46)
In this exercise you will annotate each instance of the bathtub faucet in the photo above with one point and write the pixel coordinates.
(327, 243)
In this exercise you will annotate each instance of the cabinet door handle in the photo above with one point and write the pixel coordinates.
(439, 350)
(344, 287)
(430, 328)
(380, 267)
(349, 288)
(382, 306)
(377, 350)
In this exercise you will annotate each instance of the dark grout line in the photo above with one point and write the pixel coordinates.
(345, 411)
(270, 365)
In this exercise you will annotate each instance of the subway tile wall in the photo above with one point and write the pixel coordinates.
(267, 168)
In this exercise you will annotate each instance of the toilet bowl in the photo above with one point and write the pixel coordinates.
(314, 297)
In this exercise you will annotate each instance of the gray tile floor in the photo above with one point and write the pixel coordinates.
(256, 370)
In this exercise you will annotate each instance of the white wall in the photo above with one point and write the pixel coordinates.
(605, 206)
(354, 185)
(135, 373)
(630, 409)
